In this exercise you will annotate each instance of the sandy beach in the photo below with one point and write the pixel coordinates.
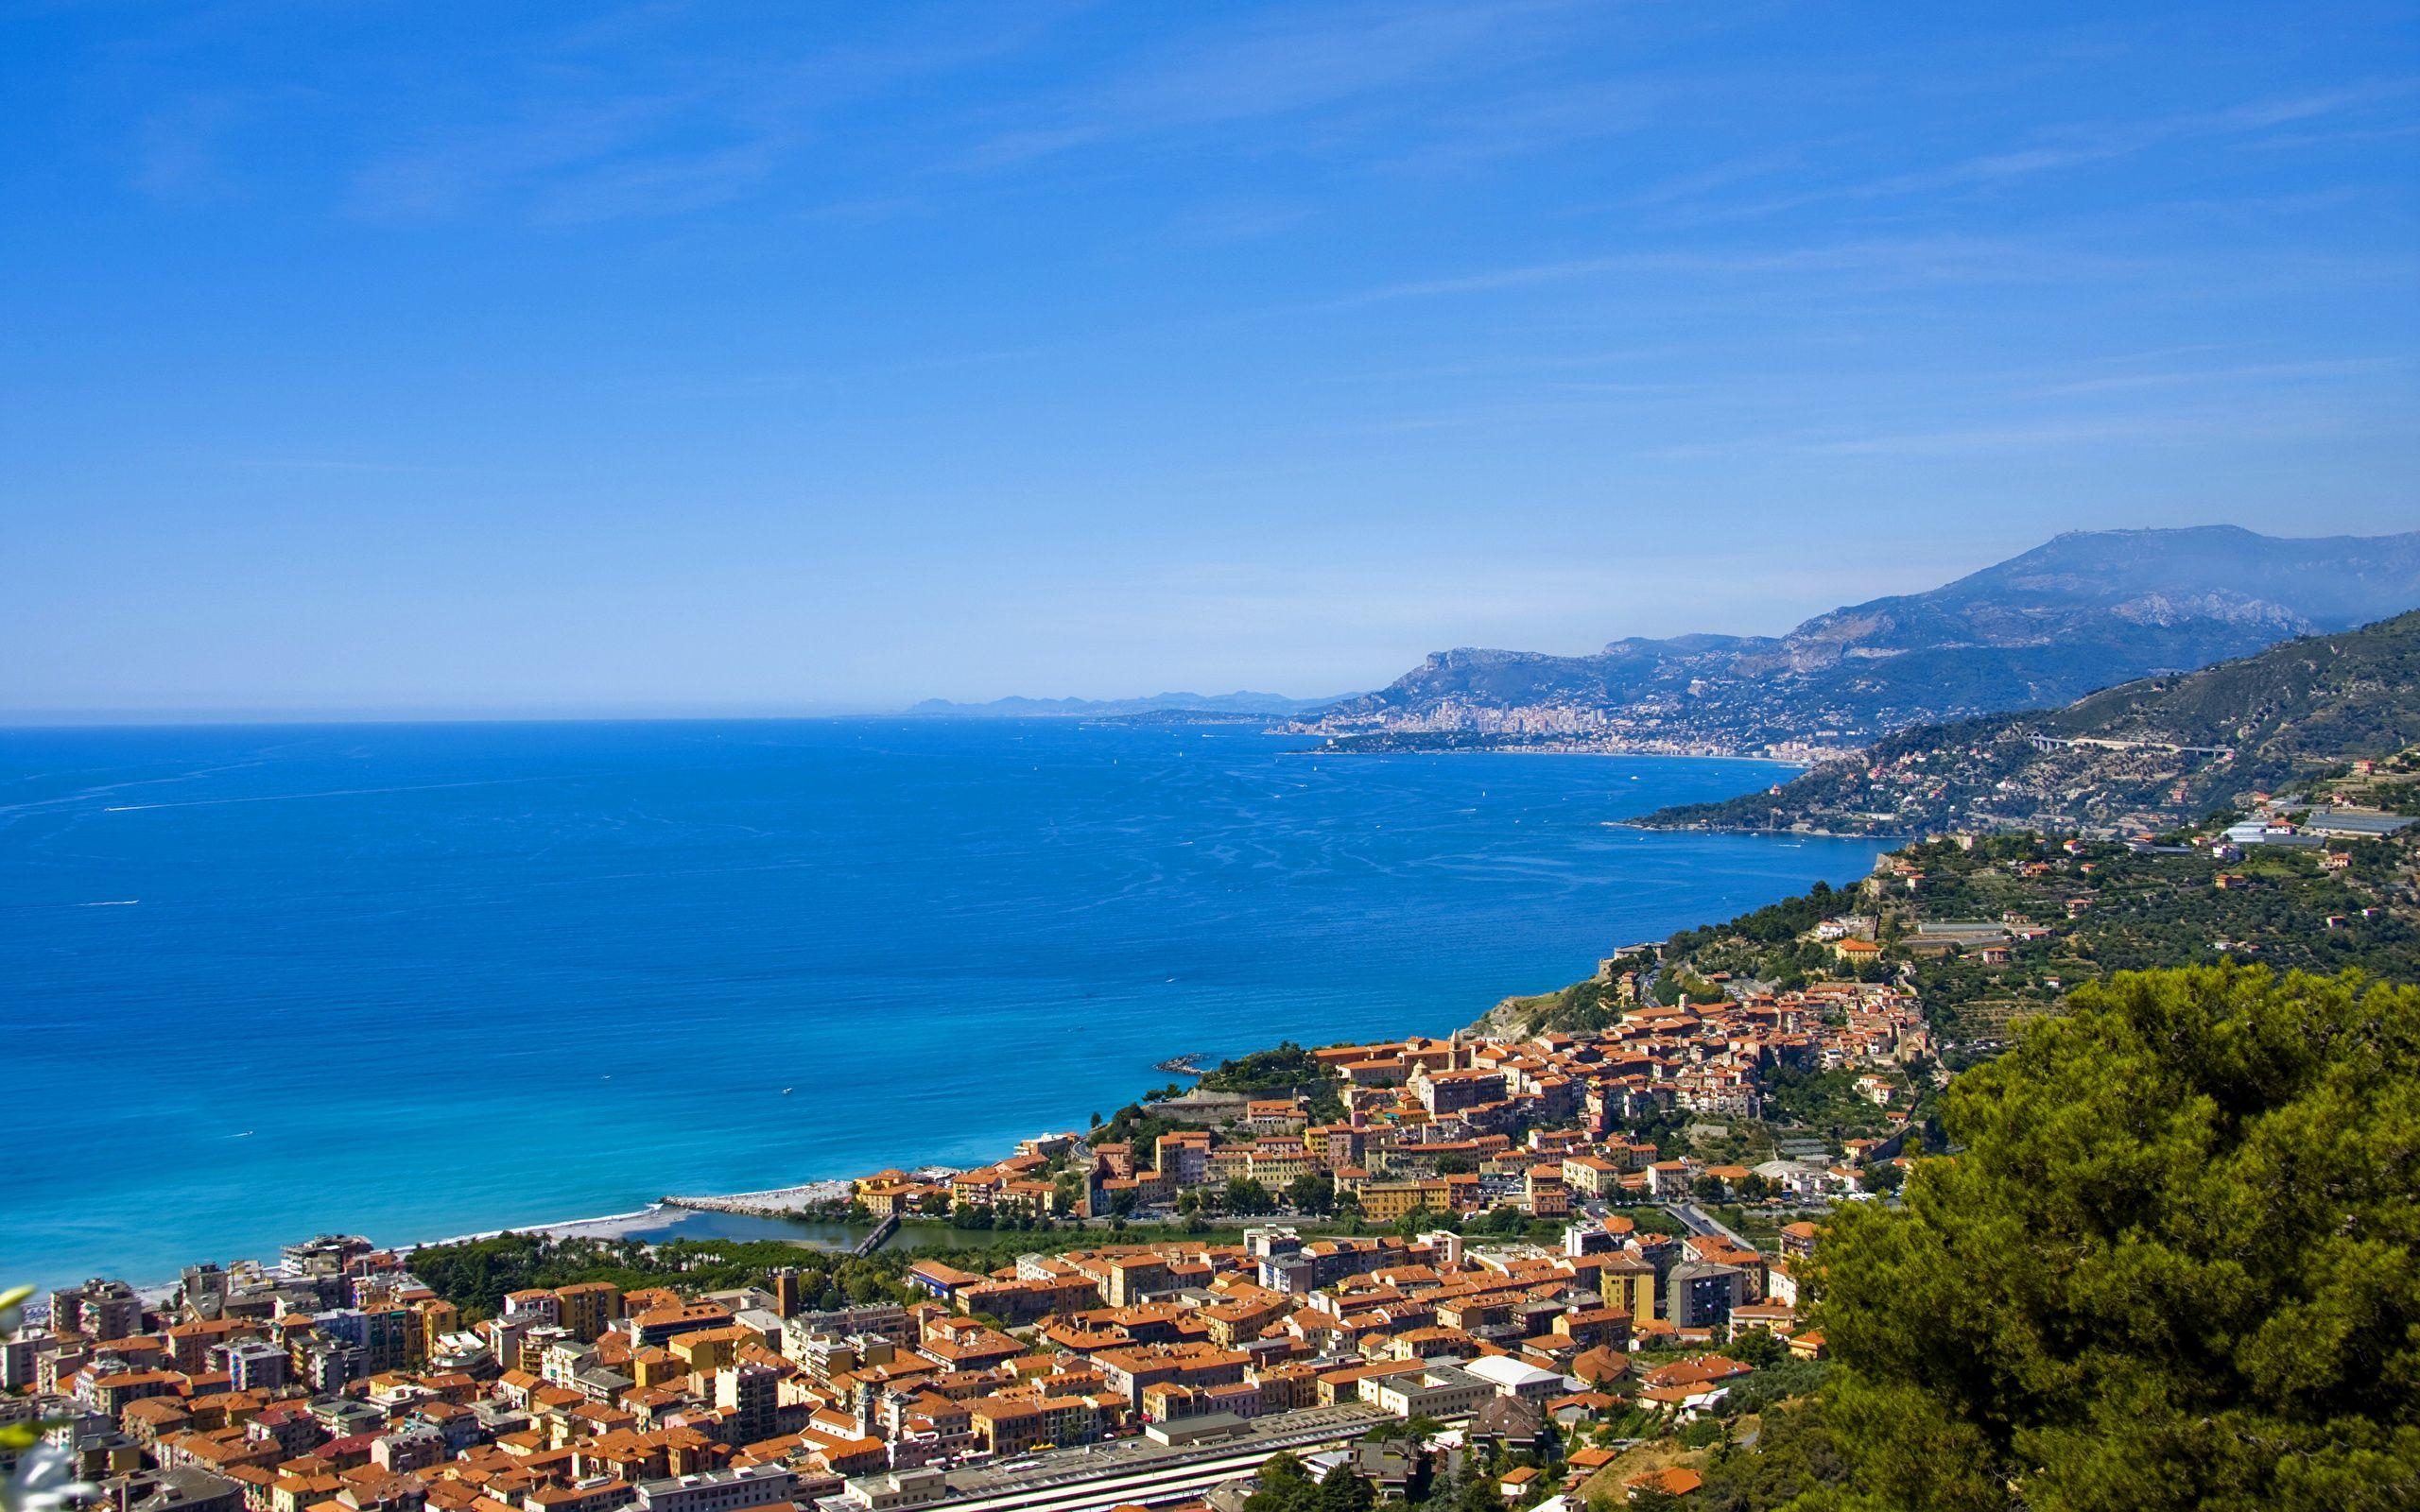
(773, 1203)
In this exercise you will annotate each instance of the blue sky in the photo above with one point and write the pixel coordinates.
(520, 358)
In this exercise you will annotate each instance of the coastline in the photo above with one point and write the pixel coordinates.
(771, 1202)
(1543, 750)
(625, 1224)
(794, 1202)
(604, 1226)
(610, 1203)
(1893, 840)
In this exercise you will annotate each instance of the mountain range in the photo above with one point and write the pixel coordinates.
(2143, 756)
(2086, 611)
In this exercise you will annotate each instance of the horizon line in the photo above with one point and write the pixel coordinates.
(237, 715)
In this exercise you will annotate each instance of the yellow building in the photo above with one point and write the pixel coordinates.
(438, 1318)
(1006, 1425)
(1131, 1277)
(1274, 1169)
(1386, 1201)
(712, 1348)
(656, 1367)
(1627, 1281)
(588, 1308)
(1589, 1174)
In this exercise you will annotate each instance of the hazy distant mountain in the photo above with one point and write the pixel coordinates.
(2086, 611)
(1269, 704)
(2142, 755)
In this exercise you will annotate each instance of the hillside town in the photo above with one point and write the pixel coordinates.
(1526, 1254)
(1525, 1270)
(1470, 1125)
(1696, 717)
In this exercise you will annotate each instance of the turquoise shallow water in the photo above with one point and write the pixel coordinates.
(418, 980)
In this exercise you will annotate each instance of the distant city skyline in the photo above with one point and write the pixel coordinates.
(692, 360)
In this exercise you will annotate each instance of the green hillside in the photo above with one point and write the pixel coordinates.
(2155, 752)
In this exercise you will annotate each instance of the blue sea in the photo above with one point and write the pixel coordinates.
(419, 980)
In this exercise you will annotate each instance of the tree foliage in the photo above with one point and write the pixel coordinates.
(1280, 1069)
(475, 1274)
(2173, 1265)
(1312, 1192)
(1793, 1454)
(1246, 1194)
(1137, 1126)
(1827, 1102)
(1287, 1486)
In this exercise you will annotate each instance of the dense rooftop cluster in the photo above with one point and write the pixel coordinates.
(1469, 1124)
(1523, 1266)
(1482, 1262)
(336, 1381)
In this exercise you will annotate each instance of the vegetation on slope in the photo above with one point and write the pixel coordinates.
(2278, 718)
(2175, 1263)
(476, 1274)
(2089, 913)
(1275, 1070)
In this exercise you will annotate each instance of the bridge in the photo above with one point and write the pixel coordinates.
(1699, 1221)
(881, 1236)
(2106, 743)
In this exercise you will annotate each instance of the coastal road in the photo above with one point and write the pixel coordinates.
(1701, 1222)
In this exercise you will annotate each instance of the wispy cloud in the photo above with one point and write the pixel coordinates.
(2079, 146)
(1912, 259)
(2079, 431)
(2259, 372)
(1535, 121)
(601, 130)
(179, 153)
(1700, 182)
(2263, 423)
(1264, 71)
(1235, 218)
(540, 148)
(2086, 143)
